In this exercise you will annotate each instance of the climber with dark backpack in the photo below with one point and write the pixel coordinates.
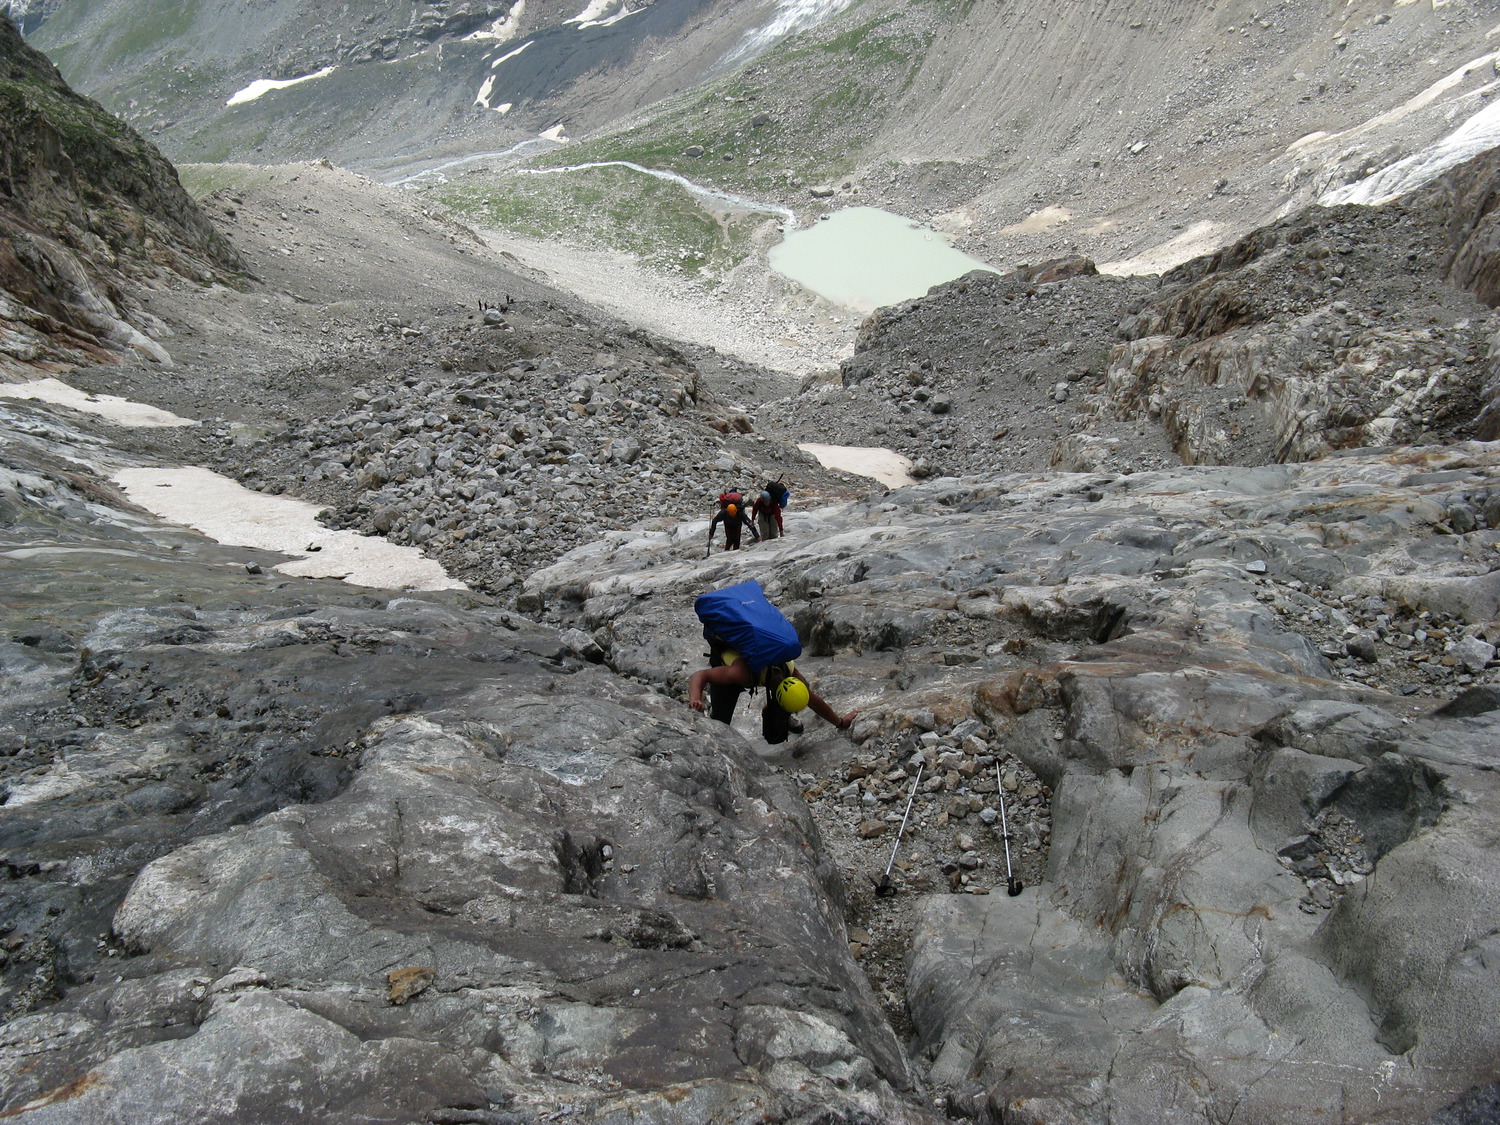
(733, 516)
(767, 510)
(752, 645)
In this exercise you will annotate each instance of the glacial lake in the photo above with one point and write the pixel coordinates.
(863, 258)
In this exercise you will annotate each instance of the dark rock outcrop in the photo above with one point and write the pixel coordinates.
(87, 209)
(1470, 199)
(1333, 329)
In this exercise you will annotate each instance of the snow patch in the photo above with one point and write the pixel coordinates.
(1445, 97)
(510, 54)
(231, 514)
(1430, 94)
(602, 13)
(483, 97)
(262, 86)
(1203, 237)
(555, 133)
(506, 27)
(121, 411)
(1479, 133)
(1308, 141)
(885, 465)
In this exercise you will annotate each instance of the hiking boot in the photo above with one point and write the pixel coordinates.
(794, 725)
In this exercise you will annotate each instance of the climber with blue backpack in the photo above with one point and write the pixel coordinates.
(752, 645)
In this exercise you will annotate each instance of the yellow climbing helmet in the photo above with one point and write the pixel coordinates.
(791, 694)
(732, 510)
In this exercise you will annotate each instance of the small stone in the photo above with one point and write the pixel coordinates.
(407, 983)
(1473, 654)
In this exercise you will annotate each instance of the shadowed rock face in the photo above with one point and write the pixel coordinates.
(392, 80)
(86, 208)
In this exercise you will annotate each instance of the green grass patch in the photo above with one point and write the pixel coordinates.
(202, 180)
(152, 25)
(82, 125)
(660, 223)
(862, 44)
(795, 116)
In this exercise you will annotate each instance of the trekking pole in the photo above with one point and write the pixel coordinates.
(1012, 884)
(885, 887)
(708, 548)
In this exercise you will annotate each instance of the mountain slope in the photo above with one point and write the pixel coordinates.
(86, 208)
(1139, 134)
(384, 85)
(1104, 129)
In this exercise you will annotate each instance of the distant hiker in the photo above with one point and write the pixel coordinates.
(751, 645)
(767, 510)
(733, 515)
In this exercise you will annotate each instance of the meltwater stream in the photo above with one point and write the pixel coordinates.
(711, 195)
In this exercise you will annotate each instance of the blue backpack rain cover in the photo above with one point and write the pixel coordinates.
(748, 623)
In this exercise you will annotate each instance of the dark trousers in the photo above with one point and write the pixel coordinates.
(775, 722)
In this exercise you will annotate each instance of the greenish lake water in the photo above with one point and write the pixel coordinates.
(863, 257)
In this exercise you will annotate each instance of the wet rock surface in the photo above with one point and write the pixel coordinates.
(278, 846)
(1227, 809)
